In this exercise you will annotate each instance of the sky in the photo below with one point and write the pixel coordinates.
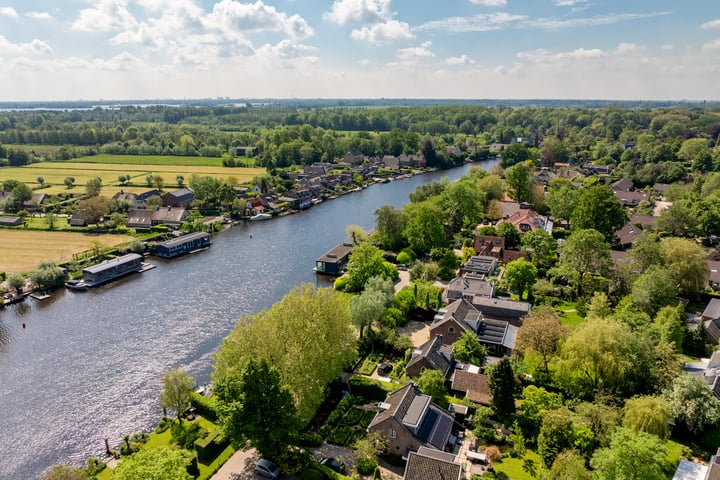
(448, 49)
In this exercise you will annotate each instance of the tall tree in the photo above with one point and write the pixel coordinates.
(502, 386)
(688, 262)
(693, 405)
(93, 187)
(432, 382)
(556, 435)
(585, 251)
(254, 404)
(389, 226)
(508, 231)
(541, 332)
(598, 208)
(632, 455)
(542, 249)
(424, 229)
(94, 209)
(366, 308)
(569, 465)
(521, 275)
(154, 463)
(562, 197)
(366, 261)
(308, 336)
(469, 349)
(654, 289)
(519, 179)
(648, 414)
(177, 387)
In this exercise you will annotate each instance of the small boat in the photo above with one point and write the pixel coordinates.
(76, 284)
(260, 216)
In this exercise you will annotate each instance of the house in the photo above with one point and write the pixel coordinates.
(498, 336)
(415, 161)
(11, 221)
(455, 319)
(544, 176)
(77, 219)
(467, 382)
(182, 245)
(408, 420)
(453, 151)
(713, 274)
(245, 151)
(502, 308)
(631, 199)
(169, 216)
(141, 199)
(527, 220)
(431, 464)
(489, 245)
(661, 188)
(123, 196)
(626, 236)
(182, 197)
(597, 169)
(140, 218)
(334, 261)
(111, 269)
(391, 162)
(479, 265)
(35, 202)
(467, 286)
(432, 355)
(622, 185)
(354, 157)
(711, 320)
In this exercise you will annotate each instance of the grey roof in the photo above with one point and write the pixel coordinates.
(169, 215)
(435, 352)
(471, 285)
(184, 238)
(183, 194)
(713, 309)
(148, 194)
(687, 470)
(430, 464)
(501, 307)
(338, 253)
(463, 312)
(492, 331)
(105, 264)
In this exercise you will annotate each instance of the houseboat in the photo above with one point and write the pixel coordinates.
(334, 261)
(260, 216)
(112, 269)
(182, 245)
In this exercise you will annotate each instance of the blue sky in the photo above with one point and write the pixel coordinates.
(133, 49)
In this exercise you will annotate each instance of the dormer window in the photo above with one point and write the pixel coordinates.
(451, 329)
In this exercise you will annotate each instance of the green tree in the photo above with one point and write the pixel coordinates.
(596, 355)
(648, 414)
(693, 405)
(632, 455)
(521, 275)
(654, 289)
(423, 229)
(585, 251)
(562, 197)
(536, 402)
(670, 323)
(469, 349)
(510, 233)
(16, 282)
(308, 336)
(177, 387)
(149, 180)
(180, 180)
(21, 193)
(677, 220)
(93, 187)
(520, 181)
(493, 187)
(597, 208)
(389, 226)
(366, 308)
(41, 181)
(646, 251)
(432, 382)
(254, 404)
(366, 261)
(154, 463)
(356, 234)
(502, 386)
(688, 262)
(94, 209)
(159, 182)
(69, 182)
(541, 333)
(569, 465)
(463, 203)
(556, 435)
(47, 275)
(541, 248)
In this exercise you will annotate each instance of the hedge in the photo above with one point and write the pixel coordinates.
(206, 406)
(209, 447)
(368, 388)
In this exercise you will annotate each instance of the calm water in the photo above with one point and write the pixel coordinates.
(87, 365)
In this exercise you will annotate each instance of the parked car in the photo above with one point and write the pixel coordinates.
(268, 469)
(384, 369)
(333, 463)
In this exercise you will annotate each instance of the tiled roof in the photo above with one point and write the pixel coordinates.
(475, 384)
(434, 352)
(429, 464)
(713, 309)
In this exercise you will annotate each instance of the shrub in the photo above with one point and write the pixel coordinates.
(406, 256)
(341, 283)
(312, 474)
(366, 466)
(367, 388)
(493, 454)
(94, 466)
(368, 366)
(163, 425)
(310, 439)
(206, 406)
(209, 447)
(376, 474)
(352, 416)
(186, 434)
(393, 318)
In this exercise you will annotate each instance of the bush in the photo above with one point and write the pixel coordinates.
(352, 416)
(163, 425)
(341, 283)
(310, 439)
(376, 474)
(312, 474)
(393, 318)
(342, 435)
(368, 366)
(209, 447)
(366, 466)
(493, 454)
(185, 434)
(406, 256)
(367, 388)
(94, 466)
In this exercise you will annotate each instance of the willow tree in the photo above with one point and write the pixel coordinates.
(308, 336)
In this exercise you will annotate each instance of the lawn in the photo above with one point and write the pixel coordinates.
(150, 160)
(54, 173)
(569, 314)
(513, 467)
(24, 249)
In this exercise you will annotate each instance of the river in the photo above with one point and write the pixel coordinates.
(84, 366)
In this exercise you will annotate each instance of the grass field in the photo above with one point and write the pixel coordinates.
(168, 160)
(54, 173)
(24, 249)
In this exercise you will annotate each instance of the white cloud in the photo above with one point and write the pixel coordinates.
(382, 33)
(711, 46)
(490, 3)
(711, 24)
(557, 23)
(476, 23)
(364, 61)
(107, 16)
(413, 54)
(628, 48)
(39, 15)
(257, 17)
(35, 47)
(461, 60)
(8, 12)
(358, 12)
(569, 3)
(542, 56)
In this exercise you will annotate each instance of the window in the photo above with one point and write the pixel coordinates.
(392, 433)
(451, 329)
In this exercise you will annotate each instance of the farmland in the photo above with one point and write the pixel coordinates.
(23, 249)
(109, 168)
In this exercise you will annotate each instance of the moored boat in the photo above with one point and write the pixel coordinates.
(260, 216)
(76, 284)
